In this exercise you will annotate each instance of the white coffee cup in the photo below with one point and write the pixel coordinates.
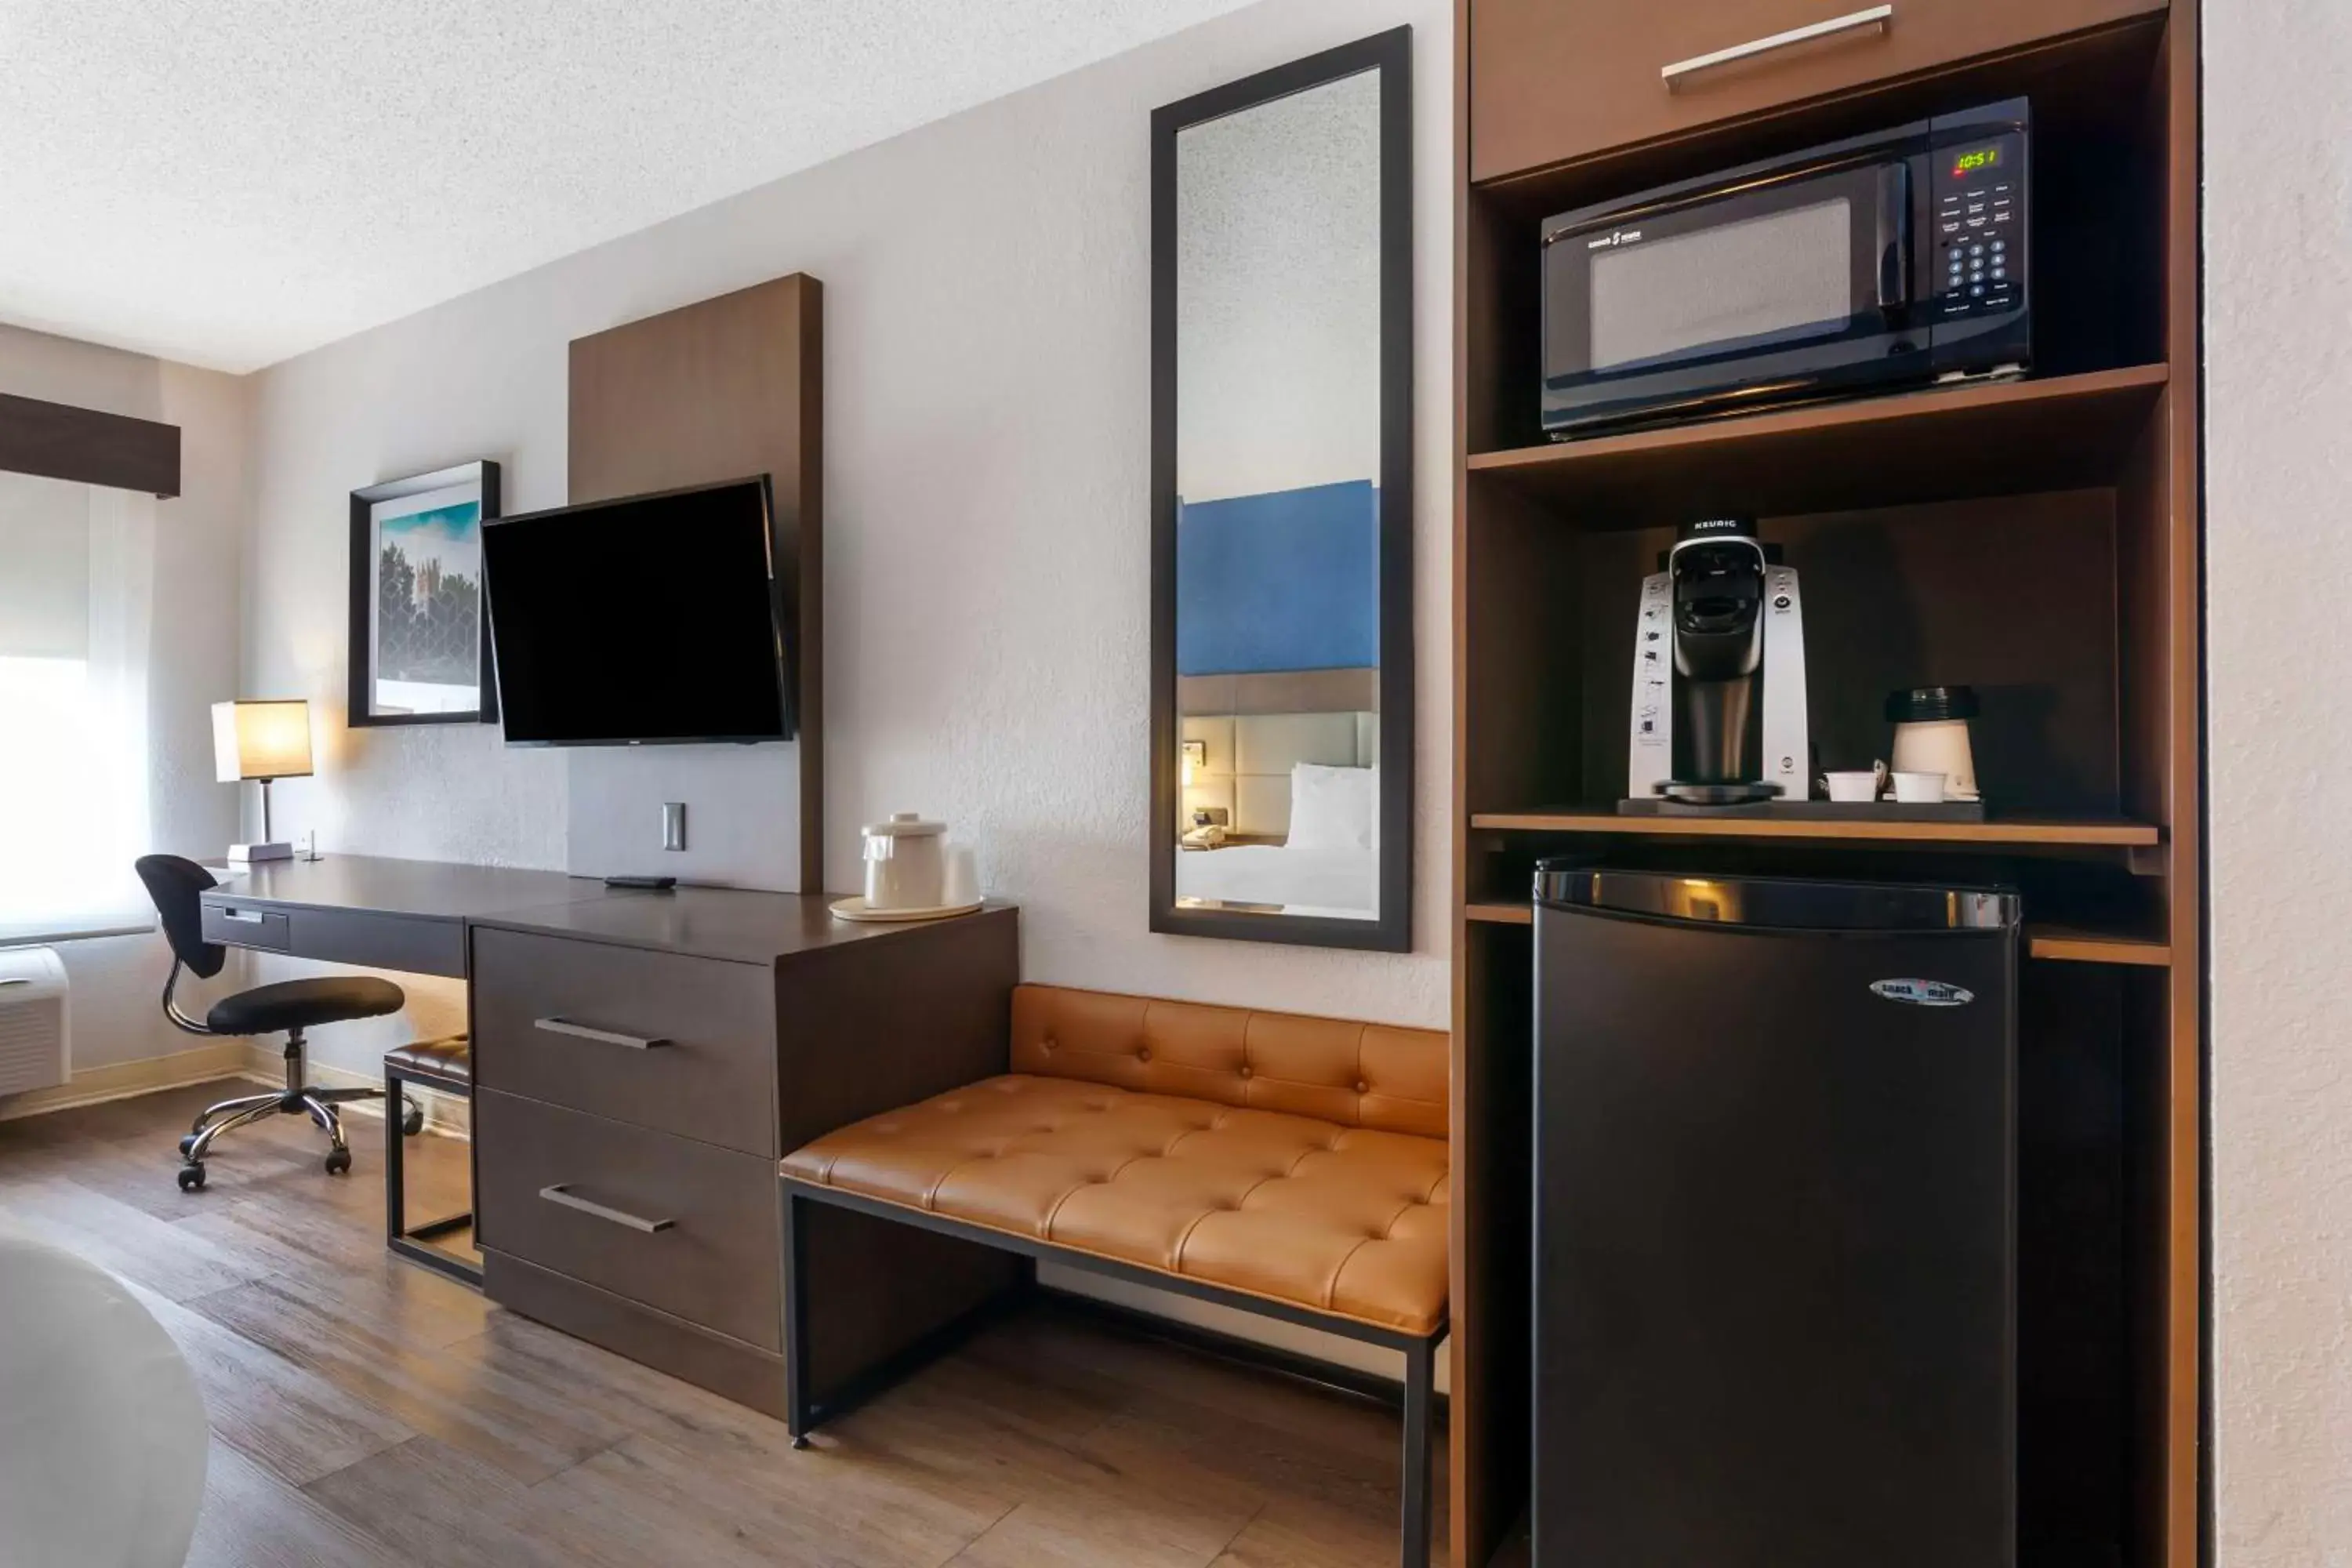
(1856, 787)
(1919, 789)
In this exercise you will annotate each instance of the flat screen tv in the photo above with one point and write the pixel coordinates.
(650, 620)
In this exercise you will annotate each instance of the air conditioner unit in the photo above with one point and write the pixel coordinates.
(36, 1049)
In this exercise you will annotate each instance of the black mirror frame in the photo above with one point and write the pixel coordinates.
(1390, 54)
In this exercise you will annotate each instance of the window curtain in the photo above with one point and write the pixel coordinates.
(77, 619)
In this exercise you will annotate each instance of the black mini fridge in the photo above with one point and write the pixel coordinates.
(1775, 1274)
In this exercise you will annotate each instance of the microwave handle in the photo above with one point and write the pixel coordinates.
(1894, 236)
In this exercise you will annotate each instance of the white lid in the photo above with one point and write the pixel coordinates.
(903, 824)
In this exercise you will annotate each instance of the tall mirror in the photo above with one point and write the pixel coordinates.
(1282, 504)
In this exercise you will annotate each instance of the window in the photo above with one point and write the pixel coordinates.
(75, 604)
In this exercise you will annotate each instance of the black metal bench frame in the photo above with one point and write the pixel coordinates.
(804, 1412)
(409, 1241)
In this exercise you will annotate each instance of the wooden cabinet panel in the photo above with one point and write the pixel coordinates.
(1553, 79)
(632, 1330)
(682, 1226)
(554, 1020)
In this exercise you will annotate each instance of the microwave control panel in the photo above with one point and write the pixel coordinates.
(1979, 225)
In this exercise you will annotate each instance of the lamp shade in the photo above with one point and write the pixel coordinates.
(261, 740)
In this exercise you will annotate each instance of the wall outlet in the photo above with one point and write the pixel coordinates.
(674, 825)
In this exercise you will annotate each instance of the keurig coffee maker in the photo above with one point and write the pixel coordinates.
(1719, 675)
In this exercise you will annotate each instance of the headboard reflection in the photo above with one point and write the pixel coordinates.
(1252, 729)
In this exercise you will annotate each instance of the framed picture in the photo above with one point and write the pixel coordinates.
(420, 651)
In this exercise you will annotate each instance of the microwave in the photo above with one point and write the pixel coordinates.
(1894, 259)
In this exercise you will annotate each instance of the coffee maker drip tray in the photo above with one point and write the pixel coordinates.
(1720, 794)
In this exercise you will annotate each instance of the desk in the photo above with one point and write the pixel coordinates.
(642, 1054)
(375, 912)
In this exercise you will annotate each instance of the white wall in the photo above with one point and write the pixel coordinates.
(987, 413)
(198, 546)
(2278, 226)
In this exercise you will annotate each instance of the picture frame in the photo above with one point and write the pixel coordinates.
(420, 649)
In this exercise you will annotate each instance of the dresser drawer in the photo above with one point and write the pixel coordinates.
(1552, 79)
(679, 1226)
(657, 1040)
(235, 925)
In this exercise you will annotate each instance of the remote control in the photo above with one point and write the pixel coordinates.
(650, 884)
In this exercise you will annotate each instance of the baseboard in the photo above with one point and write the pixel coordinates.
(121, 1080)
(444, 1113)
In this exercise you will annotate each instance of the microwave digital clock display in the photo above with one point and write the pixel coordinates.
(1981, 158)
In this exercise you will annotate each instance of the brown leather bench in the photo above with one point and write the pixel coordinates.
(1290, 1166)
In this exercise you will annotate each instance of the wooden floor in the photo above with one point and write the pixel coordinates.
(368, 1412)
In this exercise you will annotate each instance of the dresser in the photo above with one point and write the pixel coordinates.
(643, 1061)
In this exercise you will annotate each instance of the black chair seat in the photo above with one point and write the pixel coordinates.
(298, 1004)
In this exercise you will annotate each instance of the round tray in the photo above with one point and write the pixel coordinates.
(855, 909)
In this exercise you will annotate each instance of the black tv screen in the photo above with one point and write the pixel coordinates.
(650, 620)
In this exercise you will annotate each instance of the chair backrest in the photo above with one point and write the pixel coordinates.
(177, 884)
(1373, 1076)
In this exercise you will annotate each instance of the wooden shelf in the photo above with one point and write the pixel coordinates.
(1495, 911)
(2106, 832)
(2074, 432)
(2071, 945)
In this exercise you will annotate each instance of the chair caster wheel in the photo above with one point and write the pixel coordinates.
(800, 1442)
(187, 1145)
(192, 1177)
(338, 1162)
(414, 1122)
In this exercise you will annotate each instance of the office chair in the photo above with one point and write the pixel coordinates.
(177, 887)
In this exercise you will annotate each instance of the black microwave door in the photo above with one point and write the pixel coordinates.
(1756, 291)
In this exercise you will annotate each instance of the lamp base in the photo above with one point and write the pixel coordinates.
(247, 854)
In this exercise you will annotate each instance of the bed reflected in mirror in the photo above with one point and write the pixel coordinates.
(1282, 614)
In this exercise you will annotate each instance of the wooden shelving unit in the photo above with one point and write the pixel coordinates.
(2071, 944)
(2039, 538)
(2019, 832)
(2070, 432)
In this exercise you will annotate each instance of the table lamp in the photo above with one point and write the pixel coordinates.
(263, 740)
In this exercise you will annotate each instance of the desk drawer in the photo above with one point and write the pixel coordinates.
(681, 1044)
(236, 925)
(1554, 80)
(673, 1224)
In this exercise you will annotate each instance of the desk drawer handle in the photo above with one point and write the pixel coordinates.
(561, 1194)
(1879, 16)
(603, 1036)
(242, 917)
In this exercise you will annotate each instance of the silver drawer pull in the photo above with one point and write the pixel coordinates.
(242, 917)
(603, 1036)
(561, 1194)
(1879, 16)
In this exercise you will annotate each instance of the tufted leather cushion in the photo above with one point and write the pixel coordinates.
(1342, 1219)
(448, 1061)
(1372, 1076)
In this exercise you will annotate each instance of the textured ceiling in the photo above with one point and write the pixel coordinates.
(232, 182)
